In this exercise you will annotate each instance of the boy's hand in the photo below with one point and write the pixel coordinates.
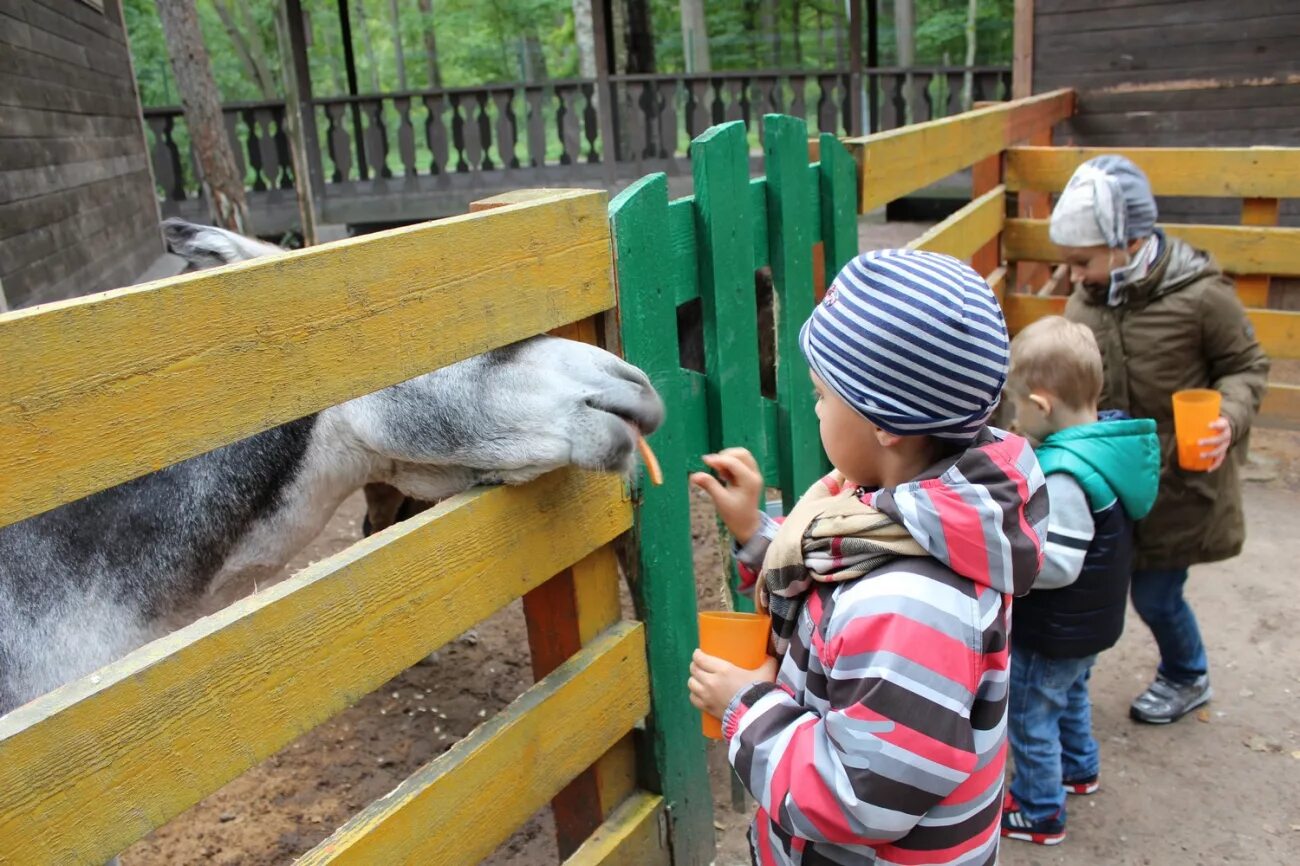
(738, 501)
(1216, 447)
(714, 681)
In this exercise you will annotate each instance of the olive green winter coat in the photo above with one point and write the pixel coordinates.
(1181, 327)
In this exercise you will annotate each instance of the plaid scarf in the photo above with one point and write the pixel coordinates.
(831, 535)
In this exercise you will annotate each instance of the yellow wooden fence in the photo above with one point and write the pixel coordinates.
(991, 140)
(103, 389)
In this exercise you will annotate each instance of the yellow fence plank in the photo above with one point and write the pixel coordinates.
(1278, 330)
(1237, 249)
(971, 227)
(633, 836)
(1232, 172)
(99, 390)
(460, 807)
(894, 163)
(90, 768)
(1281, 407)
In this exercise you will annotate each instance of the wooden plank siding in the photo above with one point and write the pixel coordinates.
(77, 206)
(1175, 73)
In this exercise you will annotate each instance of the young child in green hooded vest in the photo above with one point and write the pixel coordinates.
(1102, 475)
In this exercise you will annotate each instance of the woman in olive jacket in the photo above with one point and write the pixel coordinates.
(1166, 319)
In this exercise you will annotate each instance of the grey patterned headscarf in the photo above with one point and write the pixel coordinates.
(1108, 202)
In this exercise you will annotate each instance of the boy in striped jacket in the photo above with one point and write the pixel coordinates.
(881, 739)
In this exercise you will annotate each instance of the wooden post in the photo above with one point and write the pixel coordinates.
(1035, 204)
(855, 66)
(661, 573)
(563, 614)
(350, 65)
(1252, 289)
(1022, 51)
(873, 63)
(606, 98)
(985, 175)
(308, 177)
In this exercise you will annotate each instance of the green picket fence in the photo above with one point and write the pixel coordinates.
(709, 247)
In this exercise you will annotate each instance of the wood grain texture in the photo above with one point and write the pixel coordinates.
(1231, 172)
(631, 837)
(103, 389)
(1236, 249)
(1281, 406)
(967, 231)
(724, 225)
(901, 160)
(655, 267)
(460, 807)
(1278, 331)
(1253, 288)
(90, 768)
(562, 615)
(791, 223)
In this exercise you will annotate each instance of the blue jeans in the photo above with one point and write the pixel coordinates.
(1049, 727)
(1158, 599)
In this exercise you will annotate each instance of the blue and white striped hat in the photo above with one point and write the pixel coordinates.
(914, 341)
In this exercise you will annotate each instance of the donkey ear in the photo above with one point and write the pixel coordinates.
(201, 246)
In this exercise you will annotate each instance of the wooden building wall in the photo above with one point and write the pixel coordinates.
(1190, 73)
(78, 212)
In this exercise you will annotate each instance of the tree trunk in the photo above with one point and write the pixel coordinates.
(769, 35)
(968, 81)
(796, 27)
(431, 45)
(584, 33)
(640, 38)
(905, 39)
(300, 144)
(363, 24)
(533, 62)
(254, 61)
(218, 173)
(398, 53)
(695, 36)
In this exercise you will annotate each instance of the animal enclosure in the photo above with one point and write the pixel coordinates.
(104, 389)
(1015, 168)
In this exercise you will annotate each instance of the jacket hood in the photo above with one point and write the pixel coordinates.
(1110, 460)
(982, 513)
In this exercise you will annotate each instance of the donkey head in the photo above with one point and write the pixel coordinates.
(209, 246)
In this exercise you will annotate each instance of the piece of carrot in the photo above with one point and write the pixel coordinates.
(651, 462)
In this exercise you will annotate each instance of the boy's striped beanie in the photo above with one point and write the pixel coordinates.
(914, 341)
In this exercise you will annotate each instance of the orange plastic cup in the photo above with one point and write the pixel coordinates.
(740, 638)
(1194, 411)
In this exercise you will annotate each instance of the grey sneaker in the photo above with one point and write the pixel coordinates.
(1166, 701)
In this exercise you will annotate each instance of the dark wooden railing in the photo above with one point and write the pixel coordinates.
(440, 148)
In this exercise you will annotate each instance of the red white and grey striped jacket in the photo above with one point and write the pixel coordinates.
(883, 740)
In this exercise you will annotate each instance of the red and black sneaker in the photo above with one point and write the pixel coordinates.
(1015, 825)
(1089, 785)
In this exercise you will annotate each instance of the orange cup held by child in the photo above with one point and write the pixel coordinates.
(1194, 411)
(740, 638)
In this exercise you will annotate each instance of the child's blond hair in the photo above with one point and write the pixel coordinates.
(1057, 356)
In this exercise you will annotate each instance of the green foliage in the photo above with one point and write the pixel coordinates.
(482, 41)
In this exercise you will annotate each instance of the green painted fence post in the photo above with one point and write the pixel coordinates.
(725, 244)
(790, 238)
(663, 577)
(839, 195)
